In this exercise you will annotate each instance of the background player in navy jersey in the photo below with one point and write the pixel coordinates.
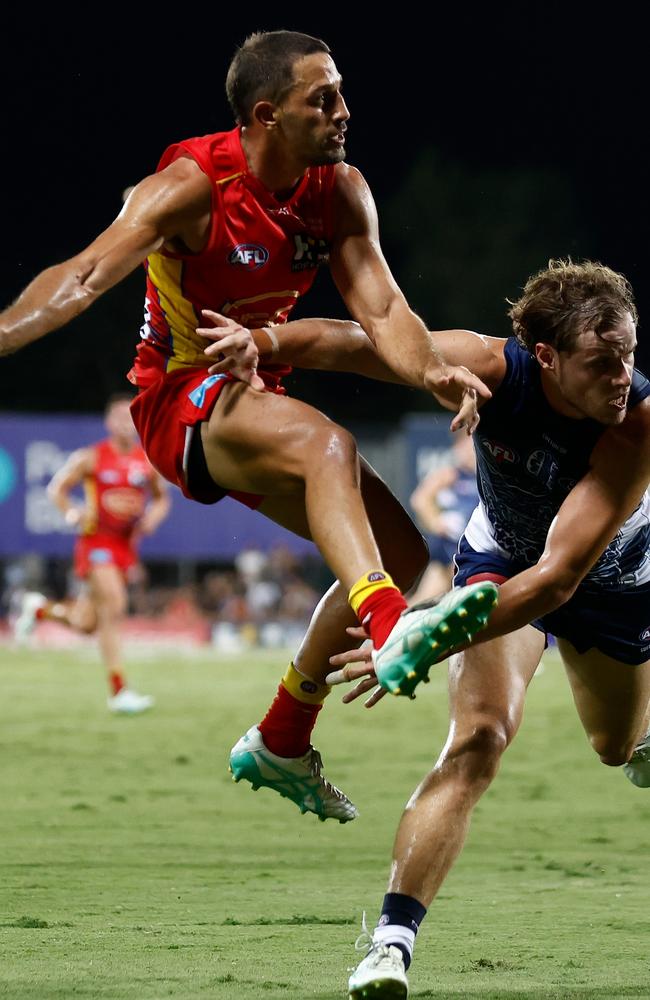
(443, 502)
(563, 454)
(238, 222)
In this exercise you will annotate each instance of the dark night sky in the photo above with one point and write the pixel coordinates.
(88, 108)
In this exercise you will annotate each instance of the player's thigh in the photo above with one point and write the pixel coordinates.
(260, 442)
(107, 589)
(487, 685)
(403, 550)
(611, 697)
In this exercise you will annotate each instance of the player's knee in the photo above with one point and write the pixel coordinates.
(613, 751)
(111, 609)
(331, 448)
(476, 752)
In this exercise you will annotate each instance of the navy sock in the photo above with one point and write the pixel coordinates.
(405, 911)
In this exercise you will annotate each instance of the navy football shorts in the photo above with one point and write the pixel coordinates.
(616, 622)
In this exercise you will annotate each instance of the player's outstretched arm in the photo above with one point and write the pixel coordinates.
(322, 344)
(158, 209)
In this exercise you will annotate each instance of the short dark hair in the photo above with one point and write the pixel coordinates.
(564, 299)
(123, 396)
(263, 68)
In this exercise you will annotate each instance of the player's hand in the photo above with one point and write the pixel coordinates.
(233, 348)
(75, 517)
(356, 665)
(467, 416)
(446, 380)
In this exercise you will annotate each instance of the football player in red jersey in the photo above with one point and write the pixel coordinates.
(237, 223)
(125, 499)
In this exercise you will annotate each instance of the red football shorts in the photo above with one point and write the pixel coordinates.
(166, 413)
(91, 551)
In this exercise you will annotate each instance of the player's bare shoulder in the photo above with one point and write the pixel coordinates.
(178, 199)
(354, 206)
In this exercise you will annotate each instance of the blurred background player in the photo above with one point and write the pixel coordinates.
(125, 499)
(443, 504)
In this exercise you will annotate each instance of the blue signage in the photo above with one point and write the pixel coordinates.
(33, 447)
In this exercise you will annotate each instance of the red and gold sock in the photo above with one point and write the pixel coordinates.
(377, 603)
(287, 726)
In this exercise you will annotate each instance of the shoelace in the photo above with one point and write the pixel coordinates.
(364, 942)
(315, 767)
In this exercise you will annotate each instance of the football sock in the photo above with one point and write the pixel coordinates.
(287, 726)
(399, 922)
(377, 603)
(116, 681)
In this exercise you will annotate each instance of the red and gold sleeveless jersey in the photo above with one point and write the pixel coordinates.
(117, 490)
(261, 255)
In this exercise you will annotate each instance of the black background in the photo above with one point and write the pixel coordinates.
(530, 90)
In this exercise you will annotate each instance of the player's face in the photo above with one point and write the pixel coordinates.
(594, 379)
(119, 423)
(313, 115)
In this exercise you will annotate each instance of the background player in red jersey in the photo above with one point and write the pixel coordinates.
(238, 223)
(125, 498)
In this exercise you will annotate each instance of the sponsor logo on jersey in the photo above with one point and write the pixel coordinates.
(123, 503)
(248, 255)
(137, 476)
(501, 452)
(310, 252)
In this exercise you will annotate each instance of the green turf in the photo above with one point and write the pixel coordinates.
(131, 865)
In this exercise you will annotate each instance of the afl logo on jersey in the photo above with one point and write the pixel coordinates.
(645, 634)
(500, 452)
(249, 255)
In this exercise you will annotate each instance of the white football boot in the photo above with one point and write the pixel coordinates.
(297, 778)
(381, 974)
(30, 605)
(127, 702)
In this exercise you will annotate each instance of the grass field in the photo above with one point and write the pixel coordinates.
(132, 867)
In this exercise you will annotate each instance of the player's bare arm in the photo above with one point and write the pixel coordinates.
(72, 473)
(158, 507)
(166, 207)
(374, 299)
(343, 346)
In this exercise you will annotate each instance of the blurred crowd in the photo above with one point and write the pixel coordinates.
(264, 598)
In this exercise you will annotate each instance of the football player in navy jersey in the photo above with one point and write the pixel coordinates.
(563, 527)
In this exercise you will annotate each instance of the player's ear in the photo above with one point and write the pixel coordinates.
(545, 356)
(265, 113)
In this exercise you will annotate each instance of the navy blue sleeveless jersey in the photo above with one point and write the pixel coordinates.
(529, 457)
